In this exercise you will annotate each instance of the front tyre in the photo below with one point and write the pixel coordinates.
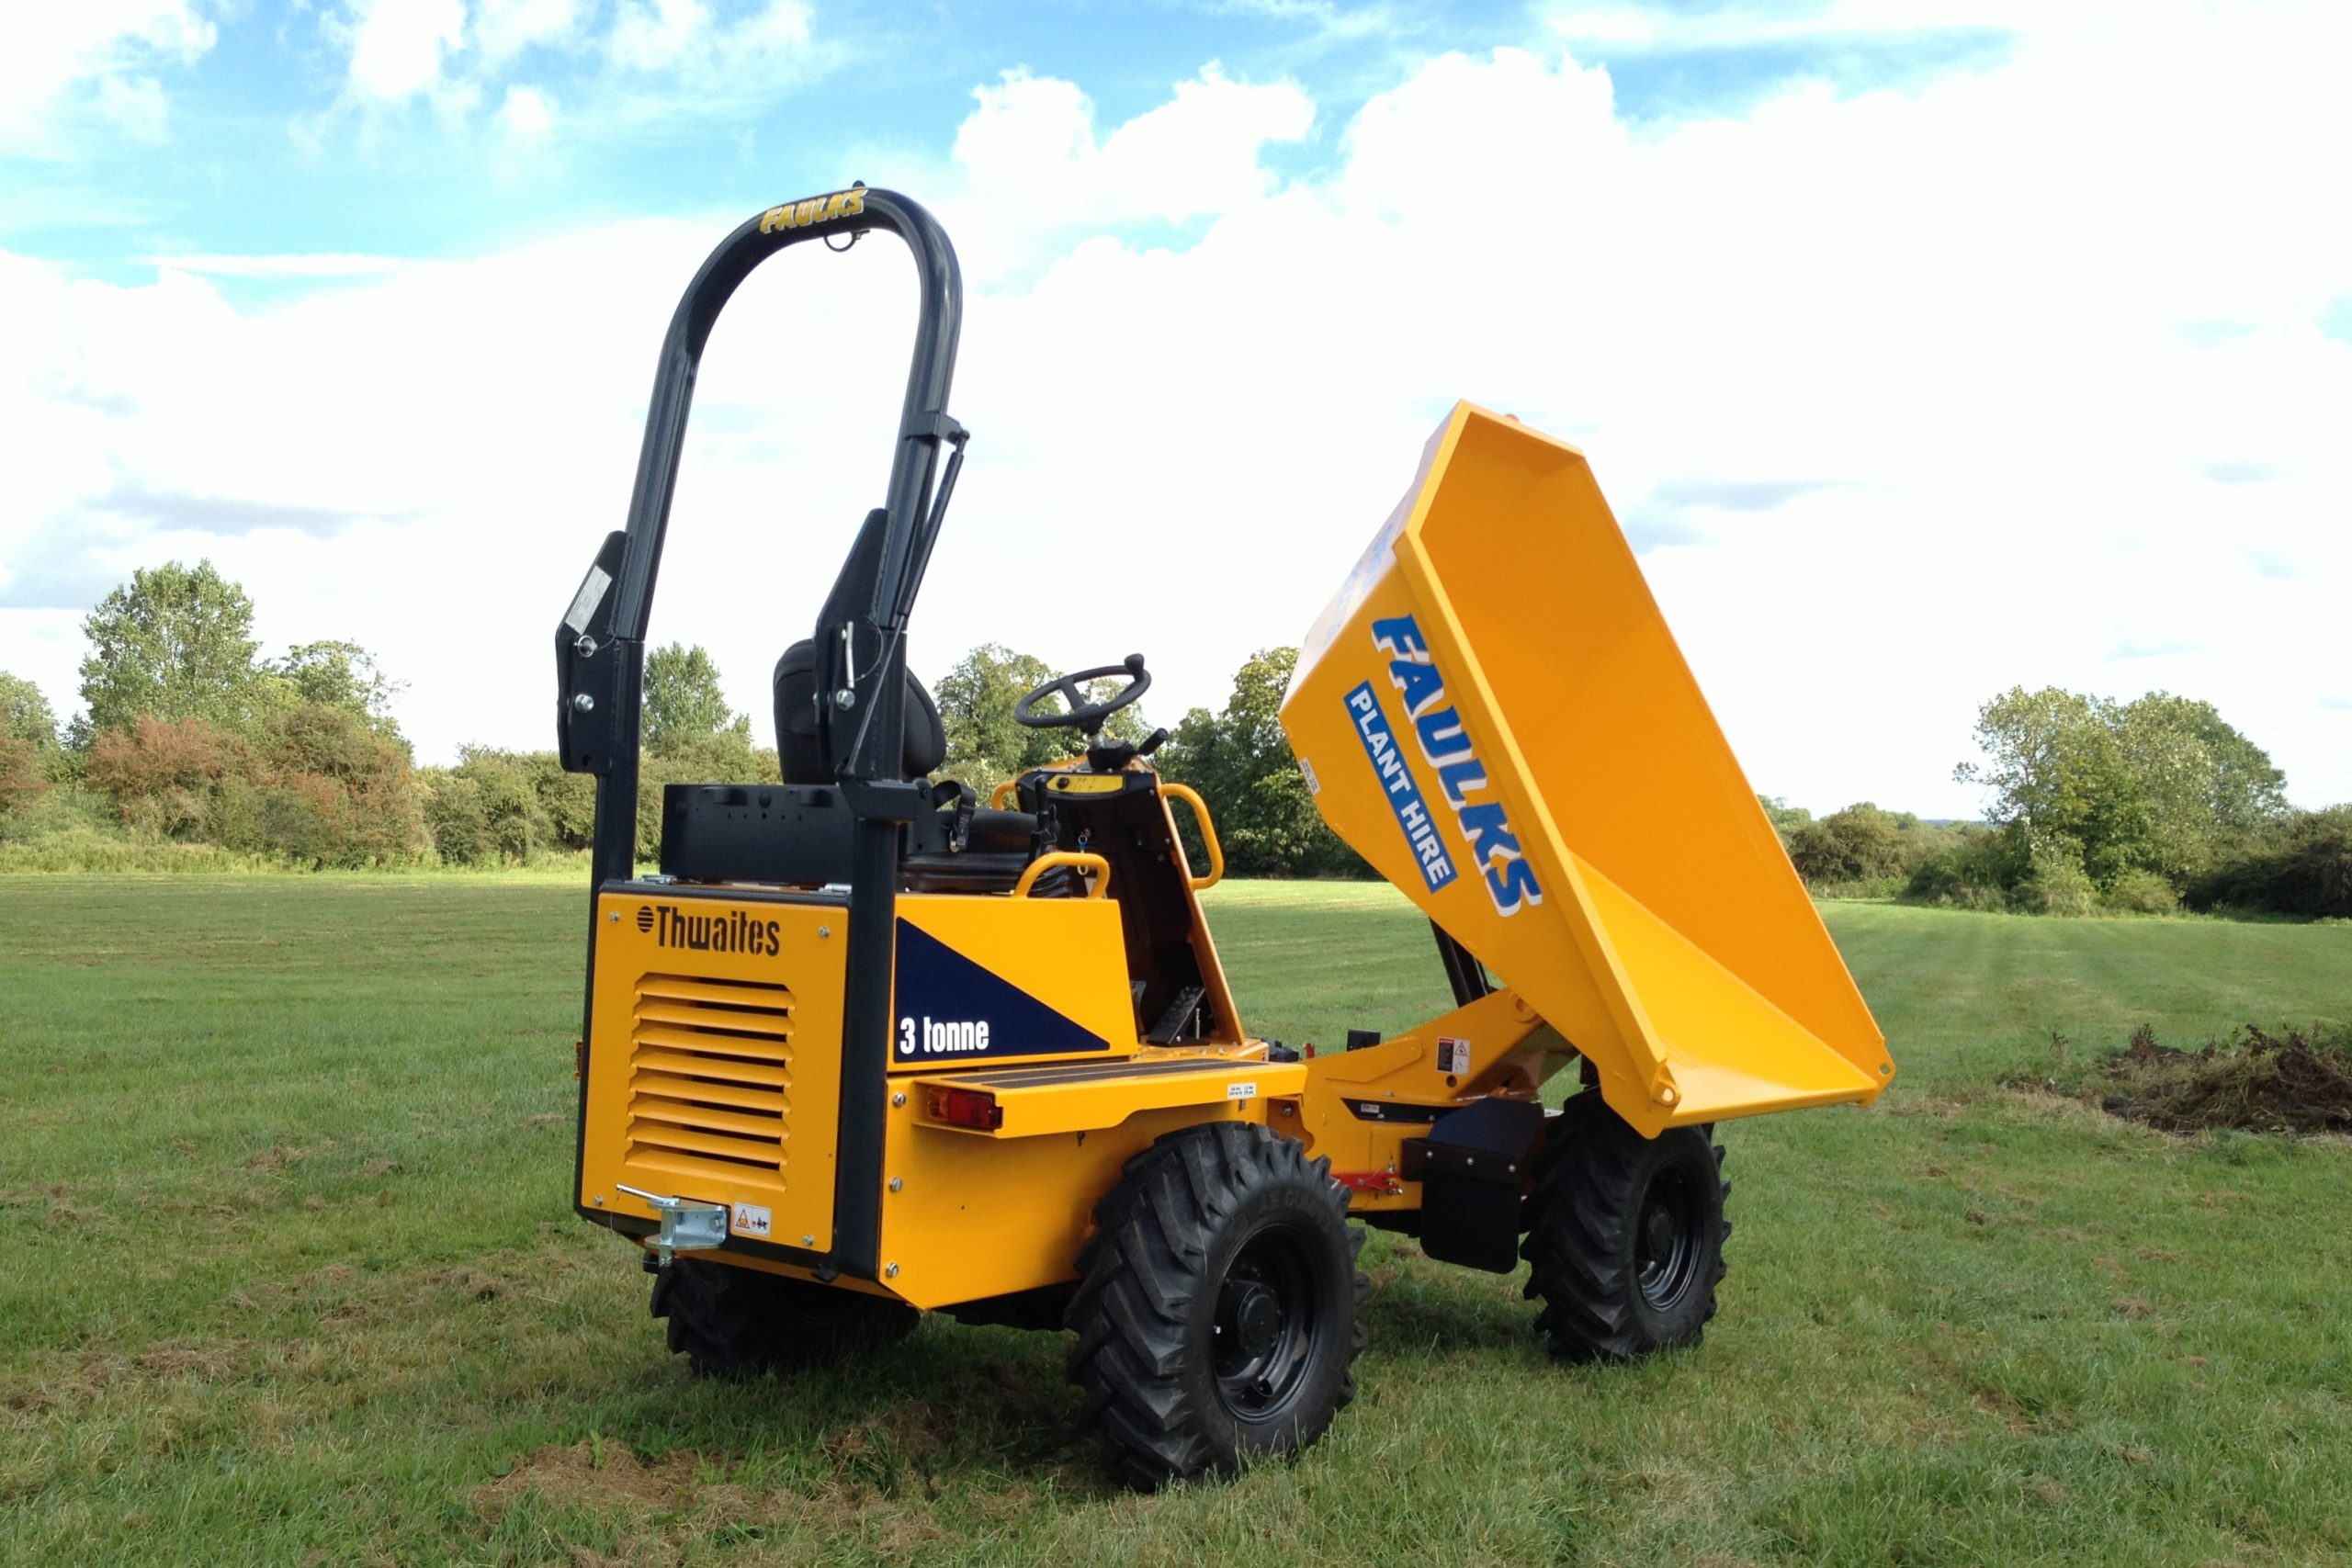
(734, 1323)
(1626, 1235)
(1215, 1312)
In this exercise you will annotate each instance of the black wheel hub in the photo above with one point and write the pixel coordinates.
(1264, 1327)
(1666, 1240)
(1255, 1315)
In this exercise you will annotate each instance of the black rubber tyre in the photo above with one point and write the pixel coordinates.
(1626, 1235)
(738, 1323)
(1217, 1307)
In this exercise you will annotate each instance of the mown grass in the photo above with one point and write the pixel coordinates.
(291, 1277)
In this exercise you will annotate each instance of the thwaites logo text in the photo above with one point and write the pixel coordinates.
(816, 210)
(1460, 776)
(731, 930)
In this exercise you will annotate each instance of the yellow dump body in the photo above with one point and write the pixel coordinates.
(1493, 713)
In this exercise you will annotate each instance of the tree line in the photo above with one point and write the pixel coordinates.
(190, 740)
(189, 737)
(2093, 804)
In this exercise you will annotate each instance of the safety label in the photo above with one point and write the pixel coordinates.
(751, 1220)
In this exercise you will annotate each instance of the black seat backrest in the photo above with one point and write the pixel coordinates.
(799, 754)
(800, 757)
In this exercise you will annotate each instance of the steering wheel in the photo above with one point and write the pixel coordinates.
(1071, 689)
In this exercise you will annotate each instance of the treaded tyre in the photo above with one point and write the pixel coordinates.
(1626, 1235)
(735, 1323)
(1216, 1308)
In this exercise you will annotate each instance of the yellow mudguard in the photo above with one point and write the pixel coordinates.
(1493, 713)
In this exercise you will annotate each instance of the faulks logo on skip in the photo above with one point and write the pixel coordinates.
(1462, 778)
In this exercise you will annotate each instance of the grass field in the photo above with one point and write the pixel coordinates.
(290, 1277)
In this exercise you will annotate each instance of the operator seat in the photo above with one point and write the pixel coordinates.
(800, 753)
(1000, 845)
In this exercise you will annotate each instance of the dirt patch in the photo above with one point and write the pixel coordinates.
(2257, 1082)
(597, 1473)
(74, 1381)
(475, 1282)
(204, 1361)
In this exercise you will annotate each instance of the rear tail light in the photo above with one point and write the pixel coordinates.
(973, 1108)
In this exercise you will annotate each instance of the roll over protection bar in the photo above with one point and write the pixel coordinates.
(600, 648)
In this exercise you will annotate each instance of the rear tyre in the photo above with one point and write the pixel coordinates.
(1216, 1308)
(734, 1323)
(1626, 1235)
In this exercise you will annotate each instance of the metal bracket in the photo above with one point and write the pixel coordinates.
(687, 1224)
(940, 427)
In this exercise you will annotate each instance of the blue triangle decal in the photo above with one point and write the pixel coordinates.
(951, 1010)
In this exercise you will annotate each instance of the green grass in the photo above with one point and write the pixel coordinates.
(290, 1277)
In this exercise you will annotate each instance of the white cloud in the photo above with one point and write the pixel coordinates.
(334, 263)
(1034, 169)
(55, 55)
(503, 29)
(653, 34)
(687, 38)
(1922, 382)
(527, 115)
(656, 60)
(1737, 25)
(398, 46)
(134, 104)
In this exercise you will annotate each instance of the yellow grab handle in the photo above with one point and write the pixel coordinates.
(1208, 834)
(1002, 793)
(1046, 863)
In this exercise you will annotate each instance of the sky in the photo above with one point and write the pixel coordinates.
(1922, 349)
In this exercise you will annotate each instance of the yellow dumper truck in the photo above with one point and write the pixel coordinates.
(875, 1042)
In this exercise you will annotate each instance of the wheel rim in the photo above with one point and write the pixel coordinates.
(1264, 1330)
(1666, 1240)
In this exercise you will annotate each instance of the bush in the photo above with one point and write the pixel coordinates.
(22, 778)
(1973, 873)
(66, 807)
(1859, 844)
(303, 819)
(2055, 882)
(454, 817)
(82, 847)
(163, 772)
(2141, 893)
(2303, 867)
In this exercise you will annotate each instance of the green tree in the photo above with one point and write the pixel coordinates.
(684, 705)
(1241, 762)
(1860, 843)
(175, 642)
(2160, 784)
(25, 714)
(2206, 785)
(976, 699)
(21, 778)
(1785, 818)
(340, 675)
(29, 750)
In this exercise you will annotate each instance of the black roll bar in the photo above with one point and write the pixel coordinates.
(860, 638)
(864, 656)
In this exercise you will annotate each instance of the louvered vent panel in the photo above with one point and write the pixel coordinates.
(710, 1078)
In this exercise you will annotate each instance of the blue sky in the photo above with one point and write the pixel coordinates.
(273, 139)
(1922, 348)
